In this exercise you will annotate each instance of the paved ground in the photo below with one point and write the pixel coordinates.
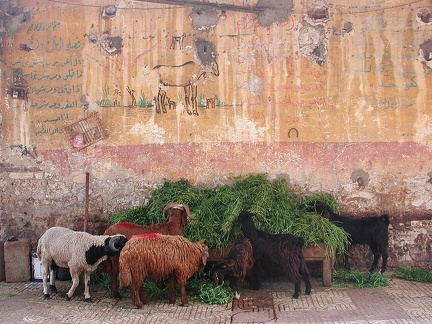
(401, 302)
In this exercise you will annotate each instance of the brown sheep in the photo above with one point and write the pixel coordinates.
(235, 266)
(157, 256)
(177, 220)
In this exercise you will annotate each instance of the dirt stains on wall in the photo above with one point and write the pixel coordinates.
(273, 11)
(203, 18)
(12, 18)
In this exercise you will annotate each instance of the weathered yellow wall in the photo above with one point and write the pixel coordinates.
(371, 88)
(322, 102)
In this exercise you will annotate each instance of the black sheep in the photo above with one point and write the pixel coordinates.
(235, 267)
(276, 254)
(372, 231)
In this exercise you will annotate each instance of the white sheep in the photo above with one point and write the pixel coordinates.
(81, 252)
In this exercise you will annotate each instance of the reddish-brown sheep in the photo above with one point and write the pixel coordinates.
(157, 256)
(237, 264)
(177, 220)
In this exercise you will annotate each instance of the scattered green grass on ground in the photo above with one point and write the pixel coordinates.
(359, 279)
(414, 274)
(200, 289)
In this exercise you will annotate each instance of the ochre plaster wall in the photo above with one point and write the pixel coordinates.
(334, 98)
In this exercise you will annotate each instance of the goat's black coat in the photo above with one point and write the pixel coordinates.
(276, 254)
(237, 264)
(372, 231)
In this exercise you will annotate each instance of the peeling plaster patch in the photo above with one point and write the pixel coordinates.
(254, 85)
(425, 53)
(420, 191)
(311, 33)
(109, 171)
(203, 18)
(348, 28)
(416, 241)
(12, 19)
(157, 134)
(109, 12)
(317, 14)
(206, 53)
(273, 11)
(112, 45)
(424, 16)
(246, 130)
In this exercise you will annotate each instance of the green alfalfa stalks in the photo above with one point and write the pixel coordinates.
(359, 279)
(217, 209)
(414, 274)
(207, 292)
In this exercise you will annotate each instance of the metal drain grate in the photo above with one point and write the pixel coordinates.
(253, 307)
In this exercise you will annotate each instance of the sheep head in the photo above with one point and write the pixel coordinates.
(183, 207)
(322, 208)
(116, 243)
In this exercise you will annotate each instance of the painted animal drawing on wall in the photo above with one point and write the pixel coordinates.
(187, 75)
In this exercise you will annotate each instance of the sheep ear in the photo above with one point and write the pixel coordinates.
(203, 241)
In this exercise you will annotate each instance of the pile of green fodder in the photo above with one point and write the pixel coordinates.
(276, 208)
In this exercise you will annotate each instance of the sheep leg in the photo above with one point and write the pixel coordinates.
(346, 262)
(136, 298)
(53, 287)
(143, 295)
(183, 296)
(114, 272)
(306, 275)
(45, 271)
(114, 286)
(236, 287)
(87, 297)
(296, 289)
(75, 282)
(256, 277)
(171, 291)
(375, 262)
(384, 262)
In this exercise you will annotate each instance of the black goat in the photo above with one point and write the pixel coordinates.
(235, 267)
(371, 230)
(276, 254)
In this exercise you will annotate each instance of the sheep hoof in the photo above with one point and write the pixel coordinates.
(116, 295)
(53, 288)
(296, 296)
(308, 292)
(237, 295)
(88, 300)
(67, 297)
(47, 296)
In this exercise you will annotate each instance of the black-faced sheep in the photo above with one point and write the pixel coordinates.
(237, 264)
(372, 231)
(157, 256)
(174, 226)
(81, 252)
(276, 254)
